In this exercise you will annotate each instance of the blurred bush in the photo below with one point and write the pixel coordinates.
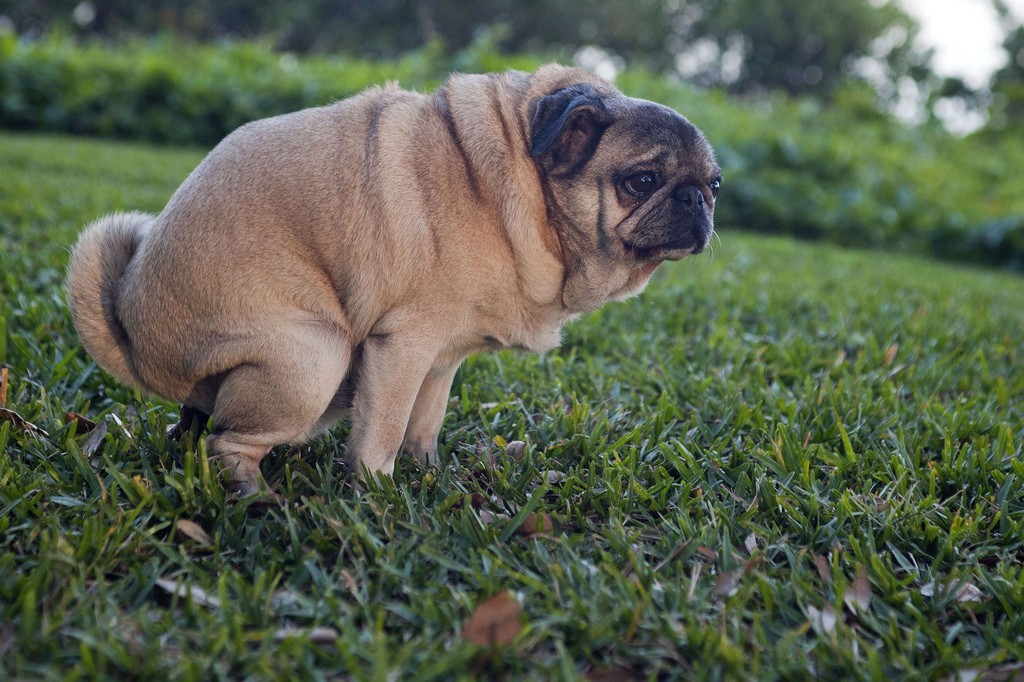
(842, 172)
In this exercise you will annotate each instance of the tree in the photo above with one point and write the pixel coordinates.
(744, 45)
(1007, 109)
(800, 46)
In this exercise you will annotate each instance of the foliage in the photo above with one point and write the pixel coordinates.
(843, 173)
(847, 174)
(789, 44)
(803, 47)
(1008, 83)
(780, 462)
(167, 92)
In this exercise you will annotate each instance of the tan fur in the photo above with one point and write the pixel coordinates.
(351, 256)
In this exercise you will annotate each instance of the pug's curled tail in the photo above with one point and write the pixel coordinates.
(98, 262)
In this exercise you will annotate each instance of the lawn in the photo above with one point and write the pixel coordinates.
(783, 460)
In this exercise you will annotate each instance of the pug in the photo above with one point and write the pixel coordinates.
(346, 259)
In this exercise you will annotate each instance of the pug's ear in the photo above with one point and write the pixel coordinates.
(568, 124)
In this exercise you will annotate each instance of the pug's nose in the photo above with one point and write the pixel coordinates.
(690, 196)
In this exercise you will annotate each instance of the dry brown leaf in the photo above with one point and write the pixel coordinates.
(708, 553)
(488, 517)
(83, 425)
(858, 594)
(965, 592)
(890, 354)
(3, 387)
(320, 635)
(95, 439)
(193, 531)
(823, 621)
(822, 565)
(198, 595)
(727, 583)
(6, 638)
(495, 622)
(349, 581)
(284, 599)
(554, 477)
(21, 423)
(536, 524)
(516, 449)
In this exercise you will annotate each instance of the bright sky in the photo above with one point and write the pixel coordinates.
(965, 35)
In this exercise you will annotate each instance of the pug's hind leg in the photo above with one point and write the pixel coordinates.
(274, 399)
(390, 375)
(189, 419)
(428, 414)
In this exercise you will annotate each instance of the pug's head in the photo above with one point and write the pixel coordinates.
(629, 184)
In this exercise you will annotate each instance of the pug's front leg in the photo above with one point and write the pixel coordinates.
(428, 414)
(392, 370)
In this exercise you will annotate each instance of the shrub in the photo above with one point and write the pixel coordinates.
(844, 173)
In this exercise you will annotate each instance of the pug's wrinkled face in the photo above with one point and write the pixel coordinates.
(665, 192)
(636, 181)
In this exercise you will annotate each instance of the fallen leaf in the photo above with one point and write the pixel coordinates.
(320, 635)
(554, 477)
(6, 638)
(727, 583)
(890, 354)
(750, 543)
(489, 517)
(536, 524)
(198, 595)
(83, 425)
(95, 439)
(858, 594)
(349, 581)
(495, 622)
(193, 531)
(965, 592)
(823, 621)
(284, 599)
(20, 422)
(824, 570)
(516, 449)
(708, 553)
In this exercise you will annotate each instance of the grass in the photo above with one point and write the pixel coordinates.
(782, 461)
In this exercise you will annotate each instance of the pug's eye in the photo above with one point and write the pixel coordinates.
(641, 184)
(715, 184)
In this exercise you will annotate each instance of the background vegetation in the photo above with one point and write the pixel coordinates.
(843, 172)
(786, 44)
